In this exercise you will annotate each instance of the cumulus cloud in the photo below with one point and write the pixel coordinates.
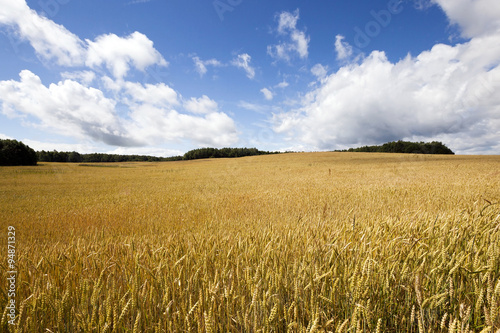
(243, 62)
(283, 84)
(446, 92)
(343, 49)
(123, 114)
(202, 105)
(118, 54)
(268, 94)
(68, 108)
(159, 124)
(298, 41)
(86, 113)
(201, 65)
(53, 42)
(159, 94)
(319, 71)
(474, 17)
(288, 21)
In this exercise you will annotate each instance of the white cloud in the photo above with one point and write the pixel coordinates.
(51, 41)
(475, 17)
(446, 92)
(243, 61)
(288, 21)
(268, 94)
(154, 119)
(319, 71)
(118, 53)
(124, 114)
(282, 84)
(343, 49)
(203, 105)
(158, 125)
(201, 65)
(299, 42)
(201, 68)
(159, 95)
(68, 108)
(86, 113)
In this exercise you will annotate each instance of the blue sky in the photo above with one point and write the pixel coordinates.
(162, 77)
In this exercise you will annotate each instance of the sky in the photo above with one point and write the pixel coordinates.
(161, 77)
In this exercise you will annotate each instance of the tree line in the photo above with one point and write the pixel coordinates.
(75, 157)
(223, 153)
(14, 152)
(405, 147)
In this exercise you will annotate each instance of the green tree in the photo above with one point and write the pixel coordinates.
(74, 157)
(13, 152)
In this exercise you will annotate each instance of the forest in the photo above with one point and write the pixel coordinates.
(223, 153)
(74, 157)
(406, 147)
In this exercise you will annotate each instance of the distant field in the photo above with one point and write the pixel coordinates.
(312, 242)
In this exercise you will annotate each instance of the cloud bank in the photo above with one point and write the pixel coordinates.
(152, 117)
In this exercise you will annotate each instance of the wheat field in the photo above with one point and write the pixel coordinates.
(309, 242)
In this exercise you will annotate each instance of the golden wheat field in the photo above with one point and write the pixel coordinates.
(309, 242)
